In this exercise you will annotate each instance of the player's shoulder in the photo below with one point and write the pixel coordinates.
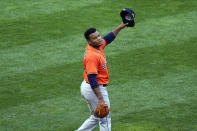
(103, 44)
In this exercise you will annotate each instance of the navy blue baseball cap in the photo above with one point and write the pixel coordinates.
(128, 16)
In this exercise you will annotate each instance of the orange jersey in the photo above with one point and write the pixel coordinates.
(94, 62)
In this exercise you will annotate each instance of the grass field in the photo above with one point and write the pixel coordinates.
(153, 67)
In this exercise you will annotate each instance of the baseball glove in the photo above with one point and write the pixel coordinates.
(102, 110)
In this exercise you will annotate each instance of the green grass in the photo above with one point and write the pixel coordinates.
(153, 67)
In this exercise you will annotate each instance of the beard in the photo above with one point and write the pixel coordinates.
(96, 44)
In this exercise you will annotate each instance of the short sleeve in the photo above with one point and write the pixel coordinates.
(92, 65)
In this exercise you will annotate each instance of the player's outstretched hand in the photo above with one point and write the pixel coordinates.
(123, 25)
(120, 27)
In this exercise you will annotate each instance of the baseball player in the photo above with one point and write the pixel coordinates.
(96, 77)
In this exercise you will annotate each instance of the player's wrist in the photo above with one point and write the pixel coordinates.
(101, 100)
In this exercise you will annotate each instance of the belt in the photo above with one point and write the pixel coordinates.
(104, 85)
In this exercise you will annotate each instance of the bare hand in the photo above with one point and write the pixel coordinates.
(120, 27)
(101, 101)
(123, 25)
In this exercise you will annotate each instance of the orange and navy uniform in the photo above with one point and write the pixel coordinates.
(95, 62)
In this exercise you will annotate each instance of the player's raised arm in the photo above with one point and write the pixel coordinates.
(112, 35)
(120, 27)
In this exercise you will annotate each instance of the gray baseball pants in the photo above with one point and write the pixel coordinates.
(92, 101)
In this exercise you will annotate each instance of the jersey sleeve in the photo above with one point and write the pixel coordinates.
(92, 65)
(103, 44)
(109, 38)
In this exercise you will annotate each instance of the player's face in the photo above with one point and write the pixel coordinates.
(95, 39)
